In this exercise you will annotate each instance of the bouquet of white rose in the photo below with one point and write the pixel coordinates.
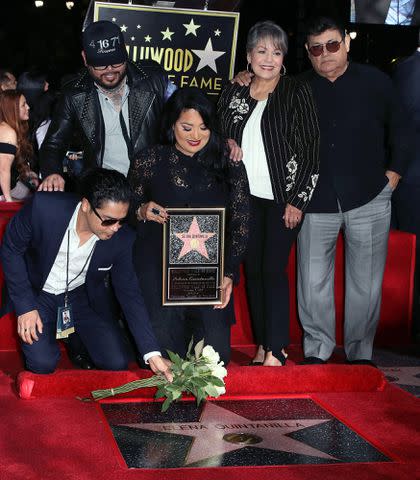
(200, 373)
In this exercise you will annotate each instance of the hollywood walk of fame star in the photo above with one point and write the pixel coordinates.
(191, 28)
(123, 28)
(147, 38)
(194, 239)
(403, 375)
(208, 56)
(167, 34)
(216, 422)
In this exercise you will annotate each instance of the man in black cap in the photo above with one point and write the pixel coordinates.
(114, 106)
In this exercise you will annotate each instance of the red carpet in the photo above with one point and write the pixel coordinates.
(240, 381)
(55, 436)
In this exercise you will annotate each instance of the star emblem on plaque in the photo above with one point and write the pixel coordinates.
(193, 247)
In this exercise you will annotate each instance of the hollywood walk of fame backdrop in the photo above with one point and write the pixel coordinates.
(195, 47)
(284, 431)
(193, 251)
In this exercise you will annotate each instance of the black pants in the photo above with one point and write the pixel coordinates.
(175, 327)
(266, 278)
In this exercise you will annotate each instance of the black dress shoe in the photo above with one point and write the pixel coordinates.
(312, 361)
(82, 361)
(361, 361)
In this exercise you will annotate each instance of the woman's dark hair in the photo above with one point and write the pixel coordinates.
(213, 155)
(10, 114)
(41, 102)
(100, 185)
(318, 25)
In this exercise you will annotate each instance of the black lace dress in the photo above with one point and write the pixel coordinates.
(166, 176)
(10, 149)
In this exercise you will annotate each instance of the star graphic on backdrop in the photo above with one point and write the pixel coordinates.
(191, 28)
(138, 26)
(194, 239)
(147, 38)
(133, 38)
(167, 34)
(216, 422)
(217, 33)
(404, 375)
(208, 57)
(124, 28)
(114, 19)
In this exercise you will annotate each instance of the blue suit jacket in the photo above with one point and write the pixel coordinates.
(30, 246)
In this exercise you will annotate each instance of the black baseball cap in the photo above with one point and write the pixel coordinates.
(103, 44)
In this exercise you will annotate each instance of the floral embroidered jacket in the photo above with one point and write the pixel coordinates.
(290, 132)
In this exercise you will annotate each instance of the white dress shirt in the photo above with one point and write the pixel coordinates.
(78, 255)
(254, 159)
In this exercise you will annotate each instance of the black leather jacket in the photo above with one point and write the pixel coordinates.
(79, 110)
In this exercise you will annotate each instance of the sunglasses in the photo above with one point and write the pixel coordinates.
(101, 68)
(332, 47)
(108, 221)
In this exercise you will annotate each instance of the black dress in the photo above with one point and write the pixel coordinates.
(10, 149)
(166, 176)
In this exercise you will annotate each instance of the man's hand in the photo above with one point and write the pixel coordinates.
(292, 216)
(242, 78)
(53, 183)
(393, 178)
(162, 365)
(235, 153)
(226, 288)
(27, 325)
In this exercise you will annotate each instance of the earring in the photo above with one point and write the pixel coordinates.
(284, 71)
(249, 68)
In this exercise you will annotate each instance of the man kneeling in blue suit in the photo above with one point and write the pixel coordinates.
(56, 254)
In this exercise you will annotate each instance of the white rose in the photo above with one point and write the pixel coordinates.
(219, 371)
(220, 390)
(210, 354)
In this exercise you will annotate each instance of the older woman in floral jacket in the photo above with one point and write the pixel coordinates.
(274, 121)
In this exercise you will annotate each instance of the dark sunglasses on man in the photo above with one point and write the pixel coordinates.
(108, 222)
(332, 47)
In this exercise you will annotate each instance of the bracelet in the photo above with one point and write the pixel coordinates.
(139, 214)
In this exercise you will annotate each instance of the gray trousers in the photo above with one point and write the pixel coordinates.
(366, 232)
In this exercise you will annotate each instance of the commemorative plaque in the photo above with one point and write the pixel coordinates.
(193, 253)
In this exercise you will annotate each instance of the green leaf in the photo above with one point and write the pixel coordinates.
(215, 381)
(190, 345)
(198, 381)
(166, 404)
(175, 358)
(198, 349)
(160, 393)
(201, 395)
(212, 391)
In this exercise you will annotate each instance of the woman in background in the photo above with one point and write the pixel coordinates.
(16, 177)
(273, 120)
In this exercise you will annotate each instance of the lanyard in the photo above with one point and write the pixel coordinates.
(67, 267)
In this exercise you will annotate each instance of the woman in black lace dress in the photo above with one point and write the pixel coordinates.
(191, 170)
